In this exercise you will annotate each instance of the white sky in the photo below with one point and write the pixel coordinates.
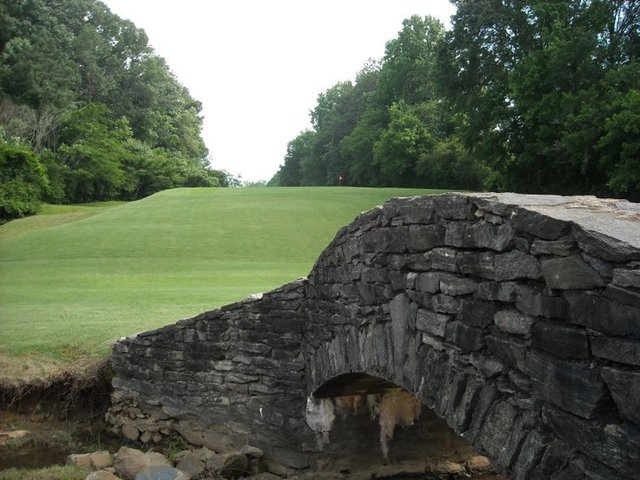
(258, 66)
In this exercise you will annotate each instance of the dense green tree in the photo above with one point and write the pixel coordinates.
(298, 150)
(533, 80)
(84, 90)
(23, 181)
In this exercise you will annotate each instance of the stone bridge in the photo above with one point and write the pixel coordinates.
(515, 318)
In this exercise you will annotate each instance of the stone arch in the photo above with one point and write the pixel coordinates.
(515, 317)
(501, 312)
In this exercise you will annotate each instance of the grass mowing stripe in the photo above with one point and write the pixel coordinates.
(70, 285)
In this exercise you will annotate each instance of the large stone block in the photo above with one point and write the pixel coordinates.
(617, 349)
(603, 315)
(390, 240)
(613, 443)
(428, 282)
(561, 340)
(514, 322)
(443, 259)
(486, 235)
(533, 301)
(555, 457)
(432, 323)
(481, 264)
(510, 350)
(445, 304)
(453, 207)
(462, 412)
(516, 264)
(477, 314)
(625, 296)
(624, 386)
(425, 237)
(539, 225)
(500, 291)
(463, 336)
(572, 386)
(624, 277)
(456, 286)
(558, 248)
(497, 427)
(570, 273)
(531, 452)
(486, 398)
(605, 247)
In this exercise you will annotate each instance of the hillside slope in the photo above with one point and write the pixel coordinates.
(71, 285)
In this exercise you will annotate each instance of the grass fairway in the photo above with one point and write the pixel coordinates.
(73, 279)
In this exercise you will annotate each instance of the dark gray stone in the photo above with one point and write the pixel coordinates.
(443, 259)
(530, 455)
(433, 323)
(497, 428)
(463, 410)
(486, 235)
(559, 248)
(623, 277)
(425, 237)
(516, 264)
(603, 315)
(570, 273)
(623, 295)
(416, 214)
(453, 207)
(489, 367)
(391, 240)
(454, 286)
(617, 349)
(594, 470)
(422, 298)
(467, 338)
(477, 314)
(561, 340)
(625, 389)
(459, 235)
(556, 456)
(612, 443)
(602, 246)
(539, 225)
(572, 386)
(535, 302)
(511, 448)
(510, 350)
(514, 322)
(480, 264)
(486, 399)
(428, 282)
(445, 304)
(500, 291)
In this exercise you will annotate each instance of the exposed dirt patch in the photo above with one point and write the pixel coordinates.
(80, 390)
(48, 411)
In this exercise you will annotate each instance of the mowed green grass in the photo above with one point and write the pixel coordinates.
(73, 279)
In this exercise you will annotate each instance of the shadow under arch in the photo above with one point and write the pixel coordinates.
(368, 424)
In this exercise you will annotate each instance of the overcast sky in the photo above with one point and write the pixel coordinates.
(258, 66)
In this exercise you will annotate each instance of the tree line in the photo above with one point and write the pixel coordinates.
(88, 111)
(539, 96)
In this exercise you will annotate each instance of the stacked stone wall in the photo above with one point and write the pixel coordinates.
(224, 379)
(515, 317)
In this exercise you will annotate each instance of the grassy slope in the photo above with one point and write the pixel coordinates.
(74, 280)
